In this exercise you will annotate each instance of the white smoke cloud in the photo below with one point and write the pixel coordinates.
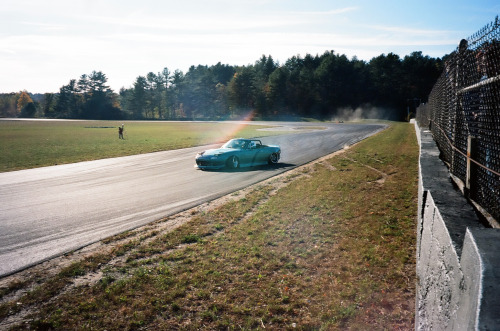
(349, 114)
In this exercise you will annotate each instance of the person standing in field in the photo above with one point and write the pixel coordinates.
(120, 132)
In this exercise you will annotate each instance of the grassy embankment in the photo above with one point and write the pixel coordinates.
(30, 144)
(331, 248)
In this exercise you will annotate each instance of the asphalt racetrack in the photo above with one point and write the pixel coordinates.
(46, 212)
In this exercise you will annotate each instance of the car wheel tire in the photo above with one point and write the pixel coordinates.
(233, 162)
(273, 158)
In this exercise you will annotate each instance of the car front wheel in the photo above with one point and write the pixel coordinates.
(273, 158)
(233, 162)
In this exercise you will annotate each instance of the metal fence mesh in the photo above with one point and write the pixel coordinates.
(463, 113)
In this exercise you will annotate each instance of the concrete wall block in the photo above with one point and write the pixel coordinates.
(420, 213)
(439, 273)
(472, 267)
(487, 243)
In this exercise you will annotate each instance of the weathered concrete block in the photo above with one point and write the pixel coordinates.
(485, 247)
(440, 275)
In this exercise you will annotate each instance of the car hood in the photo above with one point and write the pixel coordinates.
(218, 151)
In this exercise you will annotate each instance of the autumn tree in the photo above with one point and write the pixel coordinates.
(23, 101)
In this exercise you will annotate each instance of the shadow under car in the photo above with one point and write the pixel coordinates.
(265, 167)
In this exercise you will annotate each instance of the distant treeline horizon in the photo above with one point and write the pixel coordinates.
(323, 86)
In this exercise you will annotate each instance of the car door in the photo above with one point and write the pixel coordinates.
(246, 155)
(263, 153)
(252, 153)
(260, 154)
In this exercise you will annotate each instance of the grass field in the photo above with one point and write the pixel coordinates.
(328, 246)
(30, 144)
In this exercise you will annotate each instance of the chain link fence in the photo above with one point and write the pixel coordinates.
(463, 113)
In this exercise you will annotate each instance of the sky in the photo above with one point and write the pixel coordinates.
(45, 44)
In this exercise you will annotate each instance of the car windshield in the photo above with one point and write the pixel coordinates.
(235, 143)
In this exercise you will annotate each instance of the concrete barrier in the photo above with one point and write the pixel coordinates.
(458, 258)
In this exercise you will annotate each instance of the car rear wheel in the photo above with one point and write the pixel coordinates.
(273, 158)
(233, 162)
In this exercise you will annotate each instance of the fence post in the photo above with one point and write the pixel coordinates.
(471, 175)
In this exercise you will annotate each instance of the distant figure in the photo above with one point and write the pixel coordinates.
(120, 132)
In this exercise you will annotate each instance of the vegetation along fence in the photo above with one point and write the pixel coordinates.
(463, 113)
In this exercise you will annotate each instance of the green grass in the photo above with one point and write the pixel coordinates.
(30, 144)
(335, 249)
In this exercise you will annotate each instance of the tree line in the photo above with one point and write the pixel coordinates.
(318, 86)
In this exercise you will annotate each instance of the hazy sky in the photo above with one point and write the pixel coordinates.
(44, 44)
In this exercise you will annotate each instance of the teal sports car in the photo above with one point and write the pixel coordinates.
(238, 153)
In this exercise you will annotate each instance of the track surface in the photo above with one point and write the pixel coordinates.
(48, 211)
